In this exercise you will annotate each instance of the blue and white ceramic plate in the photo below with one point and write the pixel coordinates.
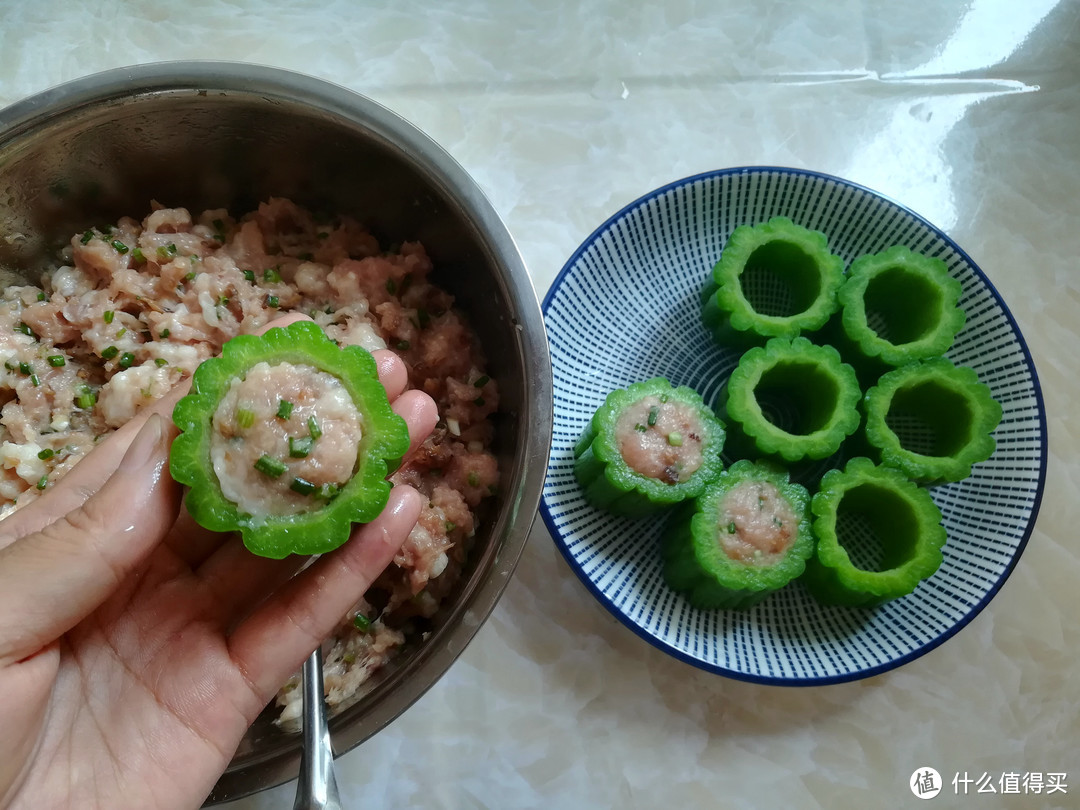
(625, 308)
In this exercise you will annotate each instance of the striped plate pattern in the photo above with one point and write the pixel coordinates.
(625, 308)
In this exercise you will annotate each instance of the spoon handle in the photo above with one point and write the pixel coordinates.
(317, 788)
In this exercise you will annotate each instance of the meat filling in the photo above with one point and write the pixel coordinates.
(661, 438)
(756, 523)
(284, 436)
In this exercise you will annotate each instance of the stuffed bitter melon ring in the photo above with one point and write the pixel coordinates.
(647, 447)
(931, 420)
(286, 438)
(775, 279)
(898, 307)
(878, 536)
(747, 535)
(791, 399)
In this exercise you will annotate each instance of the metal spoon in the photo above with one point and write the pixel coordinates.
(317, 788)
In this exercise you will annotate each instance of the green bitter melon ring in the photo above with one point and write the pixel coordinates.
(697, 562)
(897, 307)
(385, 437)
(608, 482)
(774, 279)
(889, 524)
(791, 399)
(931, 420)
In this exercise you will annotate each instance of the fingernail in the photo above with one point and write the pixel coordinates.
(146, 444)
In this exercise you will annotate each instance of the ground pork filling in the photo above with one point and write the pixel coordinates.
(756, 523)
(131, 309)
(661, 438)
(284, 438)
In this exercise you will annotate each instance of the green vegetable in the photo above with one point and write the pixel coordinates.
(712, 553)
(931, 420)
(878, 533)
(270, 466)
(898, 307)
(244, 418)
(601, 469)
(300, 448)
(43, 482)
(249, 275)
(119, 246)
(86, 237)
(327, 524)
(137, 255)
(85, 399)
(284, 409)
(271, 275)
(313, 428)
(56, 360)
(164, 334)
(108, 316)
(127, 359)
(791, 399)
(46, 454)
(109, 352)
(272, 301)
(361, 622)
(775, 279)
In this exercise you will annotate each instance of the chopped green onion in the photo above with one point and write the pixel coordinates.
(110, 352)
(478, 402)
(731, 527)
(272, 301)
(25, 329)
(284, 409)
(138, 256)
(300, 448)
(190, 276)
(327, 492)
(41, 296)
(654, 412)
(402, 345)
(361, 622)
(302, 486)
(46, 454)
(166, 251)
(56, 360)
(450, 526)
(43, 482)
(482, 381)
(8, 366)
(250, 275)
(391, 287)
(86, 398)
(161, 361)
(127, 359)
(271, 275)
(164, 333)
(674, 439)
(122, 332)
(640, 428)
(313, 428)
(245, 418)
(268, 465)
(24, 367)
(86, 237)
(120, 246)
(474, 480)
(34, 380)
(108, 316)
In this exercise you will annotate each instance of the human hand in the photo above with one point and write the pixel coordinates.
(136, 647)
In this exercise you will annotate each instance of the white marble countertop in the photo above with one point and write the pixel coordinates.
(565, 110)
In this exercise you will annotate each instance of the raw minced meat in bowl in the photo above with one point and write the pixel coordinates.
(149, 215)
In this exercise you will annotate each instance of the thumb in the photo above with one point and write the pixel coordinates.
(52, 579)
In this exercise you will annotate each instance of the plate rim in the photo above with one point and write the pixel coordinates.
(853, 675)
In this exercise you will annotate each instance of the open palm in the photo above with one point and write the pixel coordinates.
(135, 647)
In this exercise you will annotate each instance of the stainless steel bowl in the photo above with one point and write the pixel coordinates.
(212, 134)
